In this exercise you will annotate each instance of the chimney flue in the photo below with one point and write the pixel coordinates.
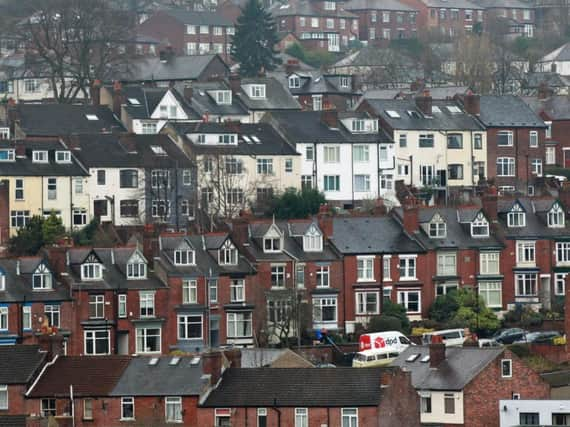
(424, 103)
(472, 103)
(436, 351)
(490, 202)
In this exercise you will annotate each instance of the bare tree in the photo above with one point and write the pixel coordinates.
(474, 64)
(76, 42)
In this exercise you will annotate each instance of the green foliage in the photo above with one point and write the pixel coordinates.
(523, 316)
(86, 235)
(29, 239)
(464, 309)
(315, 58)
(254, 41)
(414, 47)
(554, 170)
(296, 204)
(390, 309)
(52, 229)
(521, 350)
(384, 323)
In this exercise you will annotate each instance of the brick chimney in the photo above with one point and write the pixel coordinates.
(235, 83)
(118, 97)
(212, 365)
(544, 91)
(424, 102)
(240, 229)
(188, 92)
(436, 351)
(472, 103)
(325, 220)
(96, 92)
(51, 344)
(330, 118)
(234, 357)
(411, 220)
(564, 195)
(489, 201)
(291, 66)
(417, 85)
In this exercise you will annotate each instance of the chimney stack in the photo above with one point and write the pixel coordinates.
(330, 118)
(235, 83)
(118, 97)
(544, 91)
(416, 85)
(436, 351)
(411, 220)
(212, 365)
(291, 66)
(424, 103)
(96, 92)
(564, 195)
(489, 201)
(188, 92)
(325, 220)
(472, 103)
(51, 344)
(20, 149)
(234, 357)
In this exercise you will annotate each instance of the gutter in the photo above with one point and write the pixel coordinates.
(27, 394)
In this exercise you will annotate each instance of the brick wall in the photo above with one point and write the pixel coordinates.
(401, 398)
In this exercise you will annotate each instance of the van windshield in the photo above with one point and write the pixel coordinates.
(404, 340)
(360, 357)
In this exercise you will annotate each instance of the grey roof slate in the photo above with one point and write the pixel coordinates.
(316, 83)
(276, 96)
(460, 367)
(13, 420)
(65, 119)
(204, 104)
(557, 379)
(149, 98)
(19, 363)
(507, 111)
(306, 8)
(508, 4)
(306, 387)
(378, 5)
(443, 120)
(195, 17)
(457, 4)
(363, 235)
(561, 53)
(162, 379)
(556, 107)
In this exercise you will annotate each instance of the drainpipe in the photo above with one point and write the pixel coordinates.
(278, 412)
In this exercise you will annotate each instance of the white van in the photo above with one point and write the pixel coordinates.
(379, 349)
(450, 337)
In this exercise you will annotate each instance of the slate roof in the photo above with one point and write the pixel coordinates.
(19, 286)
(276, 96)
(19, 363)
(162, 379)
(457, 4)
(272, 357)
(91, 376)
(271, 142)
(195, 17)
(65, 119)
(458, 229)
(120, 151)
(442, 120)
(307, 127)
(203, 103)
(557, 379)
(149, 98)
(559, 54)
(13, 420)
(553, 80)
(371, 235)
(378, 5)
(290, 387)
(151, 68)
(316, 83)
(509, 4)
(114, 261)
(507, 111)
(305, 8)
(25, 166)
(555, 107)
(460, 367)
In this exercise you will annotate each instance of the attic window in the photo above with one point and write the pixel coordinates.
(480, 226)
(228, 254)
(134, 101)
(39, 156)
(437, 229)
(224, 97)
(392, 114)
(414, 114)
(435, 109)
(41, 278)
(453, 109)
(556, 216)
(412, 357)
(425, 359)
(344, 82)
(153, 361)
(312, 240)
(516, 217)
(91, 271)
(255, 139)
(174, 361)
(184, 257)
(91, 117)
(158, 150)
(294, 82)
(195, 360)
(63, 157)
(136, 270)
(7, 155)
(257, 91)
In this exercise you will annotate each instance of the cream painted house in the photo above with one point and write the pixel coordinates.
(43, 178)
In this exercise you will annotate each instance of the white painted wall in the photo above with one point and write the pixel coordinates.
(438, 414)
(545, 408)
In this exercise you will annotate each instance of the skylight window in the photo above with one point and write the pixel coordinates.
(91, 117)
(414, 114)
(153, 361)
(158, 150)
(195, 360)
(425, 359)
(412, 357)
(435, 109)
(392, 114)
(246, 139)
(134, 101)
(453, 109)
(174, 361)
(256, 139)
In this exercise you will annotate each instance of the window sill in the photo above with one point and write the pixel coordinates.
(127, 420)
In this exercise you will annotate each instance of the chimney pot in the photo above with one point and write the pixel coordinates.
(235, 83)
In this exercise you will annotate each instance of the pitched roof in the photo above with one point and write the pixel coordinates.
(198, 17)
(141, 102)
(307, 387)
(92, 376)
(536, 220)
(559, 54)
(165, 378)
(507, 111)
(204, 103)
(370, 235)
(457, 4)
(272, 357)
(557, 379)
(13, 420)
(276, 96)
(19, 363)
(460, 366)
(555, 107)
(306, 8)
(511, 4)
(378, 5)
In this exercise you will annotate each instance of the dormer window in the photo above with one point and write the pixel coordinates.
(257, 91)
(516, 217)
(294, 82)
(184, 257)
(2, 281)
(63, 157)
(227, 138)
(91, 271)
(136, 267)
(228, 254)
(480, 226)
(556, 216)
(363, 125)
(344, 82)
(40, 156)
(313, 240)
(224, 97)
(7, 155)
(41, 279)
(437, 228)
(272, 244)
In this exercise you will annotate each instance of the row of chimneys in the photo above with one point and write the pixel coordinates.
(471, 103)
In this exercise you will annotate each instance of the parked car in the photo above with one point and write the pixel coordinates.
(508, 336)
(488, 342)
(450, 337)
(538, 337)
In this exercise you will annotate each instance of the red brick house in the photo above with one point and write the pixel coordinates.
(190, 32)
(440, 17)
(512, 19)
(322, 24)
(381, 21)
(312, 397)
(515, 143)
(212, 291)
(463, 385)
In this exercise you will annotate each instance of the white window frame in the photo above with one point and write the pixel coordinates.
(184, 257)
(127, 400)
(349, 417)
(237, 290)
(331, 183)
(529, 284)
(91, 271)
(184, 321)
(488, 288)
(365, 268)
(487, 260)
(122, 306)
(40, 156)
(443, 265)
(407, 266)
(4, 403)
(526, 252)
(562, 253)
(404, 299)
(386, 268)
(508, 134)
(504, 363)
(4, 321)
(516, 217)
(362, 302)
(301, 417)
(189, 291)
(93, 336)
(236, 322)
(176, 403)
(480, 222)
(533, 139)
(147, 304)
(323, 276)
(556, 216)
(143, 333)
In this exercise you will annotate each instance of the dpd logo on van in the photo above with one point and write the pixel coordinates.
(379, 342)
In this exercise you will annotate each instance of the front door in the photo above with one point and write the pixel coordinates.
(122, 342)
